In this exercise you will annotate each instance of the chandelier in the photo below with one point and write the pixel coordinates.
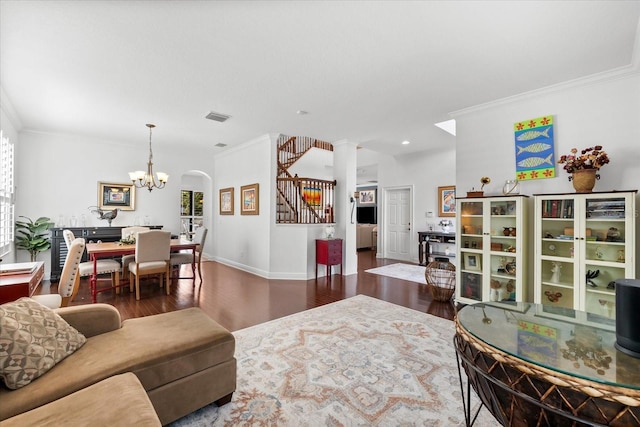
(146, 179)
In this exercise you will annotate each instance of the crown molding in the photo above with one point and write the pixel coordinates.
(631, 70)
(594, 79)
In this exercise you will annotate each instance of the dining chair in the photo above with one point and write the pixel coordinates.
(67, 285)
(187, 257)
(129, 232)
(103, 266)
(153, 249)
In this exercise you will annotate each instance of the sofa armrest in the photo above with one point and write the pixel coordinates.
(91, 319)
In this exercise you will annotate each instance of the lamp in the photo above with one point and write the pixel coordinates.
(143, 179)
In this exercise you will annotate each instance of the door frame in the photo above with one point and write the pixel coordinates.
(382, 220)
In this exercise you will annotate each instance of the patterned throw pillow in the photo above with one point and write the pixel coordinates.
(32, 340)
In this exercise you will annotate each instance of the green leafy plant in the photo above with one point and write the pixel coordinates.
(33, 236)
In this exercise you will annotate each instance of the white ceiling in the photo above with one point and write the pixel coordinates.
(373, 72)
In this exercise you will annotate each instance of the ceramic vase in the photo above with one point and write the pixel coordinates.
(584, 180)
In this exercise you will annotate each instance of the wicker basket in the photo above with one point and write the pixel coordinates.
(441, 279)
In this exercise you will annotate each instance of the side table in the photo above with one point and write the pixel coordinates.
(328, 253)
(17, 286)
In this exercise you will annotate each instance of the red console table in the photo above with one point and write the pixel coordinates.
(328, 253)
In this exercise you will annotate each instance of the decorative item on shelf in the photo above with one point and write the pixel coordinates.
(147, 180)
(108, 215)
(330, 231)
(613, 235)
(511, 186)
(553, 296)
(592, 274)
(556, 270)
(497, 293)
(599, 254)
(584, 168)
(621, 255)
(445, 224)
(511, 290)
(510, 267)
(484, 181)
(440, 276)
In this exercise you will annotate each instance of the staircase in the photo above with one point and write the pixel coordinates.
(302, 200)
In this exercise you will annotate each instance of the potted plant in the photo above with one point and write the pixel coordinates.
(33, 236)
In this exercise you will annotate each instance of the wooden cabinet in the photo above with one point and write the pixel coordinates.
(432, 244)
(90, 234)
(328, 253)
(17, 286)
(491, 249)
(583, 243)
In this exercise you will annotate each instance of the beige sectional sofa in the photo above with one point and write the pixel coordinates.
(184, 360)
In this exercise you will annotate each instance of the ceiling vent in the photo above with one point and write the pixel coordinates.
(220, 144)
(217, 117)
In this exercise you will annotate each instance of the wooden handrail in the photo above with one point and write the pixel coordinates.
(302, 200)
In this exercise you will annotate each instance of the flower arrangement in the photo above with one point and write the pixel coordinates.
(589, 158)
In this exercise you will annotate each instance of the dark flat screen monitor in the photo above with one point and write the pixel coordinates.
(367, 215)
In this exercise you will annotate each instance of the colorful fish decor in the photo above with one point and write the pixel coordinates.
(534, 149)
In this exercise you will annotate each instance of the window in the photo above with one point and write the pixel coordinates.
(6, 195)
(191, 211)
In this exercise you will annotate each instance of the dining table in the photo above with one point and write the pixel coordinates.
(115, 249)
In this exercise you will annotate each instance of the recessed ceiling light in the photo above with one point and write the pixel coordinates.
(405, 142)
(448, 126)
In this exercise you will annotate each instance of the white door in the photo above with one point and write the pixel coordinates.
(397, 224)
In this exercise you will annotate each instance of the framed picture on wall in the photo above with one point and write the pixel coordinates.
(121, 196)
(250, 199)
(447, 200)
(226, 201)
(367, 197)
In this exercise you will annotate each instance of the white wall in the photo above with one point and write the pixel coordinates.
(425, 171)
(243, 240)
(59, 175)
(603, 111)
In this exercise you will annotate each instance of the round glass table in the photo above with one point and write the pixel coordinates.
(540, 365)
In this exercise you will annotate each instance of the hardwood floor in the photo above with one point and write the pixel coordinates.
(237, 299)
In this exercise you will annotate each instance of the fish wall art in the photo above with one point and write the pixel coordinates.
(535, 149)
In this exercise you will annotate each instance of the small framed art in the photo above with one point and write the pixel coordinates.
(447, 201)
(250, 199)
(121, 196)
(226, 201)
(367, 197)
(472, 262)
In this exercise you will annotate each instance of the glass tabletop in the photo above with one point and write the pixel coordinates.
(572, 342)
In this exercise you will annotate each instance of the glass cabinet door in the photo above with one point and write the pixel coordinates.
(502, 241)
(557, 264)
(604, 253)
(471, 236)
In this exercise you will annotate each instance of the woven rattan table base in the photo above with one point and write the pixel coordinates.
(519, 393)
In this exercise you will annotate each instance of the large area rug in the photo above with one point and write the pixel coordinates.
(356, 362)
(410, 272)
